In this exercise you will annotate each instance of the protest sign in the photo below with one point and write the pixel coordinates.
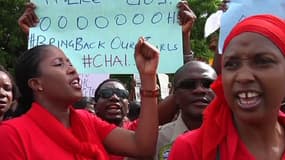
(99, 36)
(90, 82)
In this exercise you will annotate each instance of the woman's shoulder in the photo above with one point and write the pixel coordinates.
(190, 139)
(14, 127)
(17, 122)
(190, 136)
(186, 146)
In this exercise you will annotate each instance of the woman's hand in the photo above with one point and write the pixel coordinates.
(146, 57)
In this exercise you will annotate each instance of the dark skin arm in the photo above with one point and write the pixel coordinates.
(142, 142)
(29, 18)
(186, 18)
(167, 109)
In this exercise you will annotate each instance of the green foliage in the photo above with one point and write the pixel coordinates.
(203, 9)
(12, 39)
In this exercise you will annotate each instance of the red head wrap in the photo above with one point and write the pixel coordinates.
(270, 26)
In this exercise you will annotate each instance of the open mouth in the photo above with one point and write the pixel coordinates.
(3, 105)
(200, 102)
(114, 109)
(249, 100)
(75, 83)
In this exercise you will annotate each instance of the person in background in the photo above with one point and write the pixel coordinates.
(244, 121)
(85, 103)
(50, 84)
(111, 102)
(112, 106)
(167, 107)
(192, 95)
(134, 110)
(8, 94)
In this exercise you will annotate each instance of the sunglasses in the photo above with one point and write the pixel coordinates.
(192, 84)
(109, 92)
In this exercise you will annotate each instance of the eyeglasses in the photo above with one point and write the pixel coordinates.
(193, 83)
(109, 92)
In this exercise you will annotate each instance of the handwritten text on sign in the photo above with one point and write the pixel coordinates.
(99, 36)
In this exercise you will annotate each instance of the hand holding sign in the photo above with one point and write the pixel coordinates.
(186, 16)
(29, 18)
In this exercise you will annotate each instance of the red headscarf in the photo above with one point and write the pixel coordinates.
(269, 26)
(218, 115)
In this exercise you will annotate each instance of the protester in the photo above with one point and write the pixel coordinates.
(134, 110)
(111, 98)
(244, 121)
(85, 103)
(192, 94)
(50, 84)
(8, 94)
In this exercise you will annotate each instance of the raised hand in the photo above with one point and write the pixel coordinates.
(186, 16)
(29, 18)
(146, 57)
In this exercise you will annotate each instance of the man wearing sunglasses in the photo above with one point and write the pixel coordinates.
(112, 105)
(192, 94)
(111, 98)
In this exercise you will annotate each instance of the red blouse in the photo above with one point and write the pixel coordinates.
(39, 135)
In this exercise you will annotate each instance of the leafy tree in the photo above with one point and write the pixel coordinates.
(12, 39)
(203, 9)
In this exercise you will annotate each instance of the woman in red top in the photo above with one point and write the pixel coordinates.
(52, 129)
(244, 122)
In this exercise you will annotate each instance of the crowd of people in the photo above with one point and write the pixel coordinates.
(234, 114)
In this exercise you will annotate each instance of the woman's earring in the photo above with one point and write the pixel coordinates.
(40, 89)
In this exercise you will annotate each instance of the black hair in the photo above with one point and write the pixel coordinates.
(83, 102)
(96, 96)
(134, 110)
(15, 91)
(27, 67)
(15, 94)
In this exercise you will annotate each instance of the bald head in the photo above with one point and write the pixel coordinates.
(194, 70)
